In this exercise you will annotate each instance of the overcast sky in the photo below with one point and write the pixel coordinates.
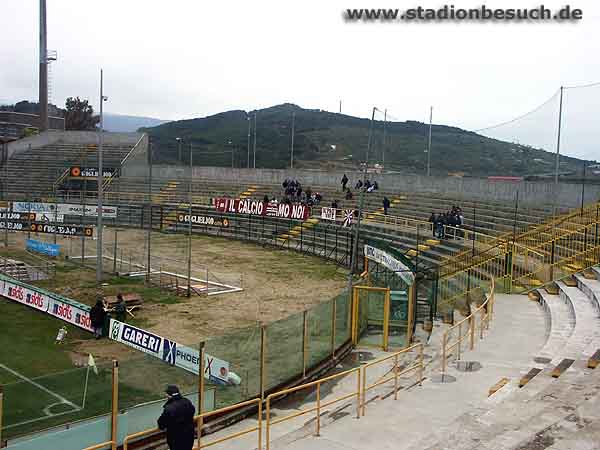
(189, 58)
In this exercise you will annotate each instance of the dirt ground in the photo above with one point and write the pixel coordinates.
(276, 284)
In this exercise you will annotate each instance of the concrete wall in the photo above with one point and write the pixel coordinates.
(70, 137)
(530, 192)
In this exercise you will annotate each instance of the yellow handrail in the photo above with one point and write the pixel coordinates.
(317, 408)
(486, 309)
(99, 446)
(200, 419)
(138, 435)
(418, 365)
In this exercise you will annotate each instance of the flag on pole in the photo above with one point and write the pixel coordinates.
(92, 364)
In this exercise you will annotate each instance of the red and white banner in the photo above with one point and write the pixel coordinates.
(258, 208)
(68, 312)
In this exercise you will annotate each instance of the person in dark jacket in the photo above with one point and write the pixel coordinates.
(386, 205)
(177, 419)
(120, 308)
(344, 182)
(98, 317)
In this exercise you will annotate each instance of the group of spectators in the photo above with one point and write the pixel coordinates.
(452, 218)
(367, 186)
(293, 193)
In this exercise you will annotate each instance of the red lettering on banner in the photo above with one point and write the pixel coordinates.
(64, 311)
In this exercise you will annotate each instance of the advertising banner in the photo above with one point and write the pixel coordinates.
(328, 213)
(17, 216)
(259, 208)
(72, 209)
(63, 230)
(62, 209)
(12, 225)
(172, 353)
(203, 220)
(34, 207)
(43, 247)
(388, 261)
(91, 172)
(42, 301)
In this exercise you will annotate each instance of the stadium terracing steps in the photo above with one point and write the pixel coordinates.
(33, 173)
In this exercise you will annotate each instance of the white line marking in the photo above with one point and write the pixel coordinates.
(39, 386)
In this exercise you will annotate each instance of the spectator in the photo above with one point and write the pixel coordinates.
(318, 198)
(359, 184)
(266, 199)
(432, 220)
(375, 186)
(349, 194)
(386, 205)
(120, 308)
(344, 182)
(334, 204)
(178, 419)
(98, 317)
(308, 192)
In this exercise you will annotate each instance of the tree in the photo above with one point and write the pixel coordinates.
(79, 115)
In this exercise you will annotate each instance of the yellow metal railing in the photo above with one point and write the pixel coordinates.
(258, 428)
(319, 405)
(396, 372)
(138, 435)
(100, 446)
(484, 311)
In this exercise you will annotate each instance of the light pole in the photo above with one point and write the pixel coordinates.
(249, 124)
(292, 150)
(254, 164)
(100, 179)
(229, 144)
(429, 143)
(179, 142)
(189, 261)
(384, 136)
(353, 251)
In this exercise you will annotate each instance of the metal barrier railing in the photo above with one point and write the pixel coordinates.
(257, 428)
(100, 446)
(396, 372)
(485, 310)
(140, 434)
(319, 404)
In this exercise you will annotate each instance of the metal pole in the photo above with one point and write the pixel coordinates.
(179, 149)
(115, 404)
(254, 164)
(384, 136)
(429, 142)
(249, 125)
(292, 151)
(556, 168)
(43, 78)
(354, 248)
(189, 261)
(583, 187)
(115, 250)
(100, 188)
(149, 210)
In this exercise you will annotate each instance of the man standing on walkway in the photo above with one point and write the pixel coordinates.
(344, 182)
(178, 419)
(386, 205)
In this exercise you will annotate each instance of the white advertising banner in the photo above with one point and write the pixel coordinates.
(34, 207)
(170, 352)
(73, 209)
(63, 209)
(328, 213)
(387, 260)
(68, 312)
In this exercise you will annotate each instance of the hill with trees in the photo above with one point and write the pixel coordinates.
(331, 140)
